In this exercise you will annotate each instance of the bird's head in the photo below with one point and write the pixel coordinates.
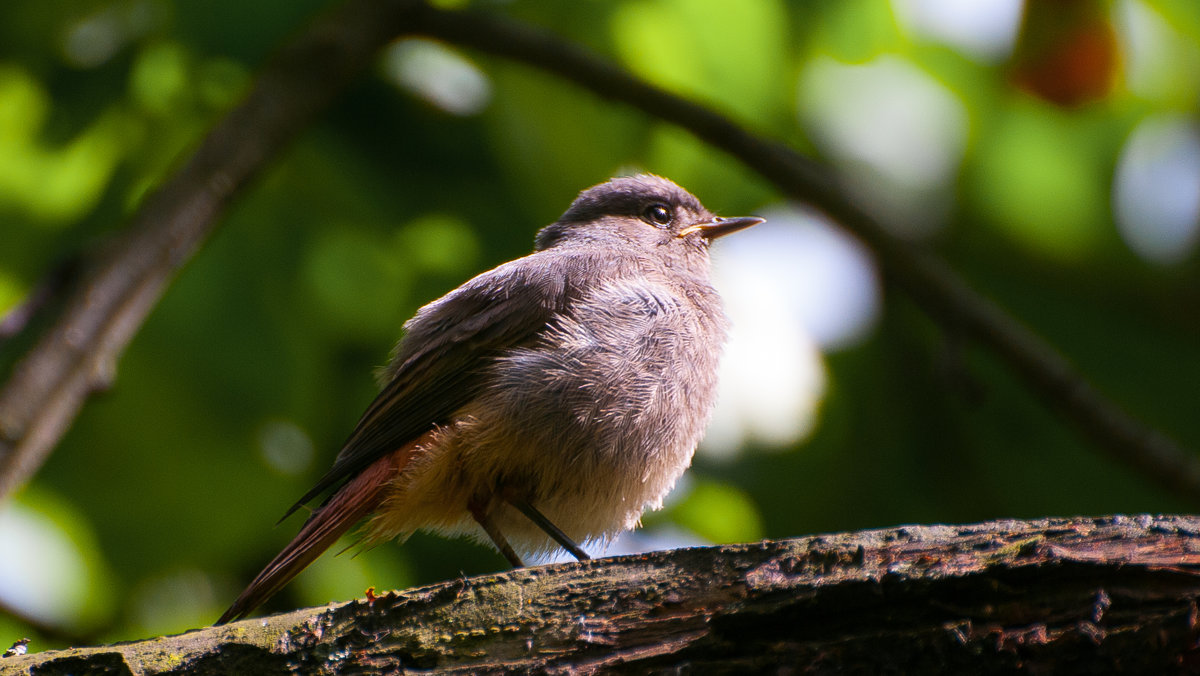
(645, 211)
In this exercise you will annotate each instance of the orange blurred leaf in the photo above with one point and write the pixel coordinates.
(1066, 51)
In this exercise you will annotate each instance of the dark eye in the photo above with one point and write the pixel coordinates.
(657, 214)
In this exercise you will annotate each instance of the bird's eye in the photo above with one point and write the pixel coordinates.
(657, 214)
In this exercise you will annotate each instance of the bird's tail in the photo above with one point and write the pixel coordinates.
(353, 501)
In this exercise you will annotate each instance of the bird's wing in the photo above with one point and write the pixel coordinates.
(438, 367)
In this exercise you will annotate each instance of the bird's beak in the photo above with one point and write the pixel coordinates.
(719, 227)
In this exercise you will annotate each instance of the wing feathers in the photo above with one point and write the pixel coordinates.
(437, 367)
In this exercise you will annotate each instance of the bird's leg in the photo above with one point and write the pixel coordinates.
(547, 525)
(480, 510)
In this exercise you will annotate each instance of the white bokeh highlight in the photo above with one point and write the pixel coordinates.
(285, 447)
(984, 29)
(792, 287)
(1156, 196)
(42, 571)
(439, 75)
(894, 131)
(1159, 62)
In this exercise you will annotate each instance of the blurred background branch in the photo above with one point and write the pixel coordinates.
(78, 354)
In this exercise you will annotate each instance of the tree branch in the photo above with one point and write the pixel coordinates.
(77, 354)
(1054, 595)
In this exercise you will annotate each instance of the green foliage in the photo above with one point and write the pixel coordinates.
(1041, 177)
(245, 380)
(718, 512)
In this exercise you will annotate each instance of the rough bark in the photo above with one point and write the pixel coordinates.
(1104, 595)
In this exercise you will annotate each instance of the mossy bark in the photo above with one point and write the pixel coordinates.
(1084, 595)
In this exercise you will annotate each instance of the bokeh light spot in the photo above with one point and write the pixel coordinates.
(1157, 189)
(897, 133)
(984, 29)
(792, 286)
(285, 447)
(438, 75)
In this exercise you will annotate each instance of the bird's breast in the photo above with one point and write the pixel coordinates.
(622, 382)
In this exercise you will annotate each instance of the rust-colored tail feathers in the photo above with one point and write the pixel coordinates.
(353, 501)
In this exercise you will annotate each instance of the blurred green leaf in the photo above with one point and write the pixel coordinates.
(438, 244)
(11, 292)
(857, 30)
(160, 80)
(1037, 179)
(1163, 58)
(700, 47)
(54, 184)
(719, 513)
(357, 281)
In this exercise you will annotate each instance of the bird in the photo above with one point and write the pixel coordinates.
(549, 401)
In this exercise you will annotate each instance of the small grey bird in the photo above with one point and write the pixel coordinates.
(553, 399)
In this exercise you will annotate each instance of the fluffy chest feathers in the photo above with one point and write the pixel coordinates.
(625, 378)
